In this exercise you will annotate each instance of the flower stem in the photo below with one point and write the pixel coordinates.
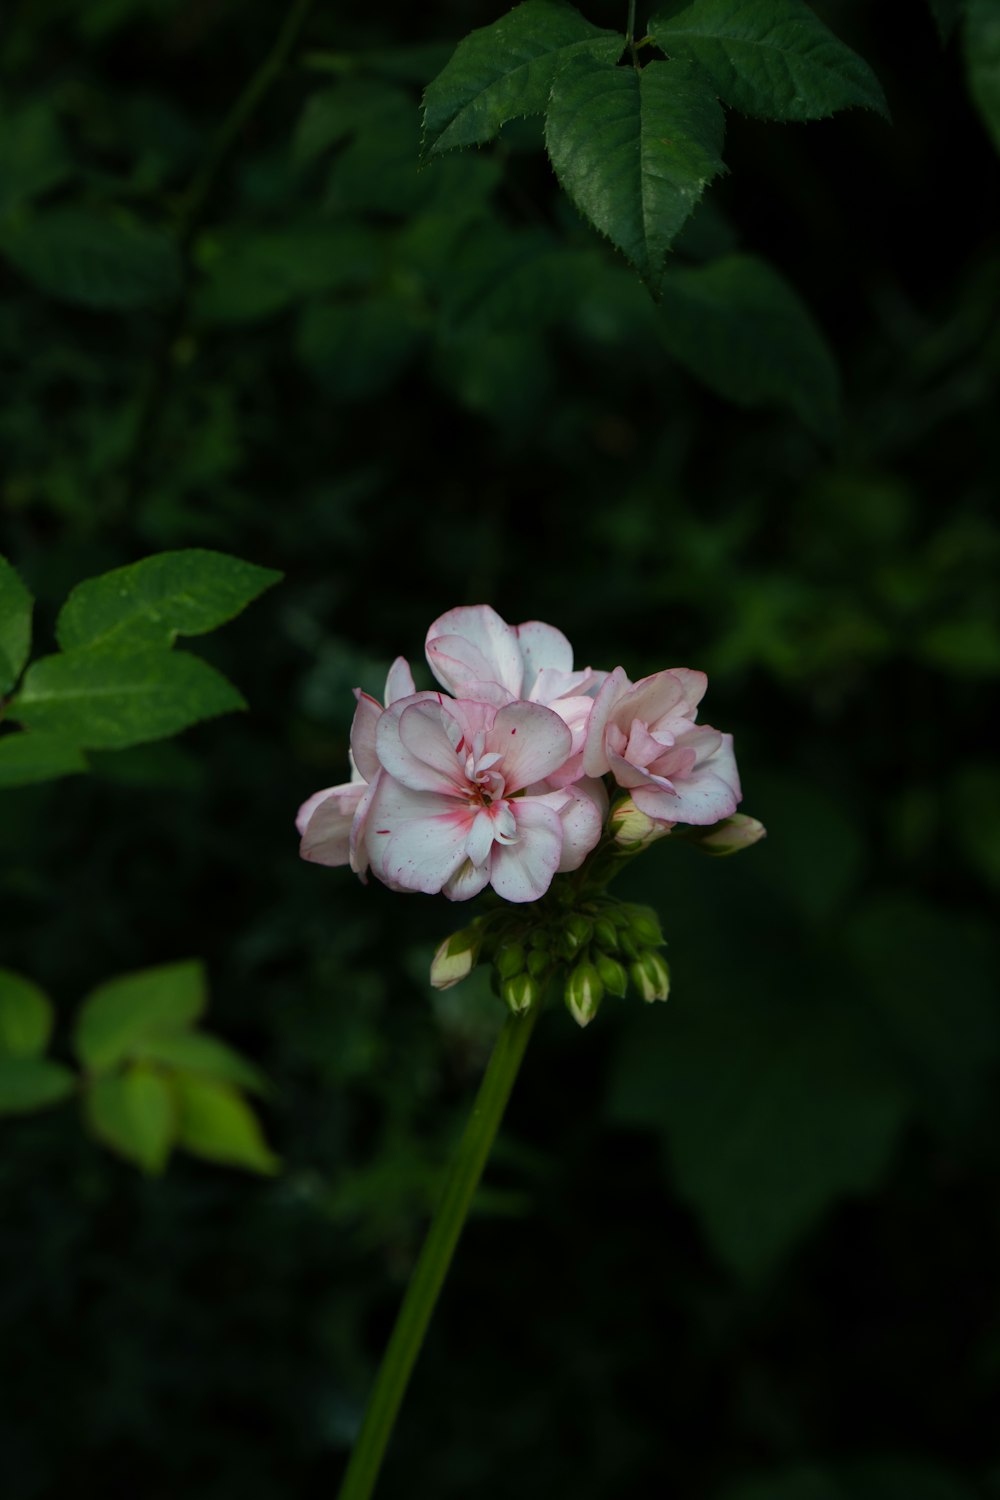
(630, 33)
(435, 1257)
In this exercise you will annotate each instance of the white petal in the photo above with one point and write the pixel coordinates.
(326, 834)
(582, 819)
(416, 840)
(473, 645)
(524, 871)
(533, 741)
(467, 881)
(543, 648)
(363, 731)
(614, 687)
(413, 746)
(399, 683)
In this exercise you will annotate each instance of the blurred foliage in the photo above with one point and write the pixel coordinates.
(741, 1245)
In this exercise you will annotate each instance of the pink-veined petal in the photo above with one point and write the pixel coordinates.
(582, 818)
(477, 647)
(533, 742)
(543, 648)
(467, 881)
(701, 799)
(399, 683)
(523, 871)
(327, 830)
(413, 746)
(614, 687)
(310, 805)
(363, 731)
(359, 859)
(480, 839)
(416, 839)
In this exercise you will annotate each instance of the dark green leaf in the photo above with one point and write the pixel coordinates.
(27, 758)
(25, 1016)
(635, 151)
(740, 328)
(151, 602)
(194, 1052)
(356, 348)
(118, 1017)
(506, 70)
(770, 58)
(103, 698)
(981, 37)
(15, 626)
(214, 1122)
(946, 14)
(135, 1114)
(255, 275)
(32, 156)
(30, 1083)
(83, 257)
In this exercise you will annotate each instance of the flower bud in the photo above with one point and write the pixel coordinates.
(456, 957)
(633, 830)
(584, 993)
(612, 973)
(520, 993)
(644, 926)
(731, 835)
(580, 929)
(606, 934)
(650, 975)
(509, 959)
(538, 964)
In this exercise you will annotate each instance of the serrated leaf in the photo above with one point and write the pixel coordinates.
(27, 758)
(770, 58)
(738, 326)
(117, 1017)
(86, 258)
(30, 1083)
(506, 70)
(150, 603)
(215, 1123)
(194, 1052)
(103, 698)
(634, 150)
(981, 44)
(134, 1114)
(15, 625)
(25, 1016)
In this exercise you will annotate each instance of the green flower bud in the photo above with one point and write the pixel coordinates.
(520, 993)
(628, 946)
(612, 973)
(644, 926)
(456, 957)
(731, 835)
(541, 940)
(509, 959)
(580, 928)
(650, 975)
(538, 964)
(633, 830)
(606, 934)
(584, 993)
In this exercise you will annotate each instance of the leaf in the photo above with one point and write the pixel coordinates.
(981, 45)
(81, 256)
(103, 698)
(255, 275)
(32, 155)
(216, 1124)
(357, 348)
(135, 1114)
(194, 1052)
(770, 58)
(151, 602)
(31, 1083)
(15, 626)
(506, 70)
(946, 14)
(737, 325)
(635, 151)
(118, 1017)
(27, 758)
(25, 1016)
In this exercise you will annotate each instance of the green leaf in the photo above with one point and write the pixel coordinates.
(150, 603)
(635, 151)
(83, 257)
(32, 156)
(506, 70)
(255, 275)
(119, 1016)
(135, 1114)
(738, 326)
(981, 44)
(103, 698)
(946, 14)
(216, 1124)
(15, 626)
(25, 1016)
(770, 58)
(357, 348)
(27, 758)
(30, 1083)
(194, 1052)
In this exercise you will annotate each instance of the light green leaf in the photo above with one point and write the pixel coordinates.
(30, 1083)
(981, 44)
(738, 326)
(635, 151)
(150, 603)
(27, 758)
(135, 1114)
(118, 1017)
(103, 698)
(214, 1122)
(86, 258)
(15, 626)
(506, 70)
(194, 1052)
(770, 58)
(25, 1016)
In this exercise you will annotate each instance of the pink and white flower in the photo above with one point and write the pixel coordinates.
(645, 734)
(460, 805)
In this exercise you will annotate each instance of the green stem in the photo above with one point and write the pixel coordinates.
(630, 32)
(435, 1257)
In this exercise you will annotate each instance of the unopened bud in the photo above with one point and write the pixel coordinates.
(644, 926)
(650, 975)
(520, 993)
(538, 964)
(606, 934)
(613, 975)
(509, 959)
(584, 993)
(580, 929)
(456, 958)
(732, 835)
(633, 830)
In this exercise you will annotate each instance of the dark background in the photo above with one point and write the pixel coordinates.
(740, 1247)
